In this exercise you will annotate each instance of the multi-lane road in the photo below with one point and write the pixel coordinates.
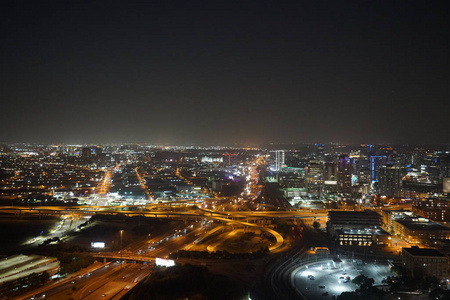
(105, 281)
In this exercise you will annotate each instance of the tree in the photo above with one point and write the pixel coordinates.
(316, 225)
(360, 279)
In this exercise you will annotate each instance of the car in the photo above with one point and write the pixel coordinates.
(311, 278)
(325, 294)
(104, 295)
(321, 286)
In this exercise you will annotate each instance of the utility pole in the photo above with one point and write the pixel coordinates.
(121, 261)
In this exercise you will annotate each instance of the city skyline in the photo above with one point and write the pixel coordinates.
(224, 73)
(311, 220)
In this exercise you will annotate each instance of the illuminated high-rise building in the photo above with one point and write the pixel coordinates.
(278, 160)
(364, 176)
(315, 177)
(319, 151)
(344, 174)
(390, 181)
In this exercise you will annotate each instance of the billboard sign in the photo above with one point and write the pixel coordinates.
(98, 245)
(164, 262)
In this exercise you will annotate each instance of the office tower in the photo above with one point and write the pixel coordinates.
(344, 175)
(364, 164)
(315, 177)
(278, 162)
(319, 150)
(390, 181)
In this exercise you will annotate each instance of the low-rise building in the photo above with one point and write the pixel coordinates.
(353, 220)
(423, 262)
(433, 208)
(391, 215)
(362, 237)
(357, 228)
(416, 230)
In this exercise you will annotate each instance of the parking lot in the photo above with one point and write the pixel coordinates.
(324, 280)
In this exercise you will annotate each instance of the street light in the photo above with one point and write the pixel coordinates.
(121, 262)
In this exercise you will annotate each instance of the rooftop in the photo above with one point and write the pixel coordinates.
(353, 214)
(416, 251)
(417, 225)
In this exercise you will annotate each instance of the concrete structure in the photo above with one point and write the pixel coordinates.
(359, 228)
(388, 216)
(433, 208)
(423, 262)
(416, 230)
(362, 237)
(354, 219)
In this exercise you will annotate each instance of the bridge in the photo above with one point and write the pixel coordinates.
(122, 256)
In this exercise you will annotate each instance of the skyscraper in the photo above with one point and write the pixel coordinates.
(344, 175)
(364, 164)
(390, 181)
(315, 177)
(278, 161)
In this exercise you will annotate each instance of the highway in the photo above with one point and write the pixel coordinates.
(114, 281)
(110, 281)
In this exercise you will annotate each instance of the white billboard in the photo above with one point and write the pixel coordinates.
(164, 262)
(98, 245)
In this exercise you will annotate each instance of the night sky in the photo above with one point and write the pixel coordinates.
(219, 72)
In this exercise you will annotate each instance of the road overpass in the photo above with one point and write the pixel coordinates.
(122, 256)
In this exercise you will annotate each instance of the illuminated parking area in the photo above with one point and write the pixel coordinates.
(323, 279)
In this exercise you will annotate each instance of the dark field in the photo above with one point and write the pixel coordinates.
(14, 231)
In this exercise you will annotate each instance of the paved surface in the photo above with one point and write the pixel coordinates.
(333, 279)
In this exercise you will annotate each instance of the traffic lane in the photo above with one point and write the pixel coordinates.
(137, 277)
(71, 281)
(172, 244)
(119, 276)
(143, 246)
